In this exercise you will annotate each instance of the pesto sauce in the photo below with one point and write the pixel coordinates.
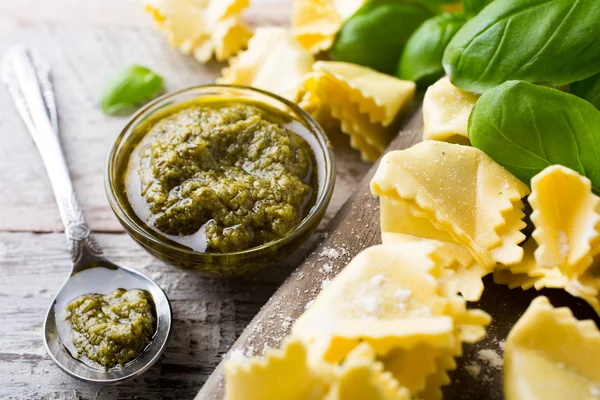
(114, 328)
(230, 170)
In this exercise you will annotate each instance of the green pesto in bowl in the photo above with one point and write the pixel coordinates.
(111, 329)
(221, 176)
(239, 184)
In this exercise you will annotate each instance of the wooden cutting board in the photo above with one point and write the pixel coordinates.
(354, 228)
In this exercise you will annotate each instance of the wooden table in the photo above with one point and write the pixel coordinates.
(85, 42)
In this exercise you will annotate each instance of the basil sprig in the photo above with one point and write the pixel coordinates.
(472, 7)
(588, 89)
(129, 88)
(525, 128)
(553, 42)
(421, 59)
(376, 34)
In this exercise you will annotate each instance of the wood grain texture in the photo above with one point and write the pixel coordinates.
(120, 13)
(208, 315)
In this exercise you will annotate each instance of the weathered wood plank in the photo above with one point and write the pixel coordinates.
(108, 12)
(208, 316)
(124, 13)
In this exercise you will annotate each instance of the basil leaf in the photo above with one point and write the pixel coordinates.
(436, 4)
(129, 88)
(421, 59)
(554, 42)
(473, 7)
(525, 128)
(376, 34)
(588, 89)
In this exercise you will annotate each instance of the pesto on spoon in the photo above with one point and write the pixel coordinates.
(27, 78)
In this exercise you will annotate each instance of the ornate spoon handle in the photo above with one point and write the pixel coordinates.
(27, 78)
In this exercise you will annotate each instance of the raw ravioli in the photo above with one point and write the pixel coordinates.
(287, 375)
(281, 375)
(446, 111)
(391, 297)
(367, 104)
(202, 27)
(464, 273)
(316, 22)
(456, 192)
(562, 253)
(550, 355)
(274, 61)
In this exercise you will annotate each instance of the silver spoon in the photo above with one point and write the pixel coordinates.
(27, 78)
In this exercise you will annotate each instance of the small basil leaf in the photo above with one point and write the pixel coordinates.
(525, 128)
(376, 34)
(473, 7)
(588, 89)
(554, 42)
(129, 88)
(421, 59)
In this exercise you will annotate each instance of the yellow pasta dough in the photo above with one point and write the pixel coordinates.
(365, 102)
(564, 245)
(590, 292)
(586, 287)
(412, 367)
(274, 61)
(282, 375)
(362, 377)
(435, 381)
(202, 27)
(316, 22)
(527, 273)
(549, 355)
(228, 37)
(390, 297)
(386, 283)
(566, 219)
(370, 139)
(446, 111)
(460, 191)
(287, 375)
(317, 108)
(399, 225)
(378, 95)
(323, 114)
(464, 273)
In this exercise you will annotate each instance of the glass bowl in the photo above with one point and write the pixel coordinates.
(216, 264)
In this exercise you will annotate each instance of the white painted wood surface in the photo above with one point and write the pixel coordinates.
(208, 317)
(85, 41)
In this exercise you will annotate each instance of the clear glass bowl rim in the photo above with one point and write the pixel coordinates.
(322, 201)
